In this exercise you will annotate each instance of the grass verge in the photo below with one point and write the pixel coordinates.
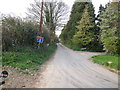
(110, 61)
(27, 57)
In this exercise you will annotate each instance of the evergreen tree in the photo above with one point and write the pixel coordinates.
(100, 12)
(97, 42)
(85, 35)
(76, 14)
(110, 28)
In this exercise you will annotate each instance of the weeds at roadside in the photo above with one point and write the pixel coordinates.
(27, 57)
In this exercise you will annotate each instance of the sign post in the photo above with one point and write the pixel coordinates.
(41, 19)
(40, 39)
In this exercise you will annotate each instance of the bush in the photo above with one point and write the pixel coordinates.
(111, 45)
(110, 28)
(18, 32)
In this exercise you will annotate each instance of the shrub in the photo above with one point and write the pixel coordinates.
(111, 45)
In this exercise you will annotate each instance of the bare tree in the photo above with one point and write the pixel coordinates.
(55, 14)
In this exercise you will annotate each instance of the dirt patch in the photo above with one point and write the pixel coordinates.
(25, 78)
(18, 79)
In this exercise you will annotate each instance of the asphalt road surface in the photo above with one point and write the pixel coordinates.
(73, 69)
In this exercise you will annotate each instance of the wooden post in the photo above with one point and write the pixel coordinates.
(41, 12)
(41, 19)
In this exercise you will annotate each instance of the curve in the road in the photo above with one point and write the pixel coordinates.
(71, 69)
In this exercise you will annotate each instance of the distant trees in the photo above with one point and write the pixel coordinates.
(97, 29)
(100, 12)
(110, 28)
(54, 14)
(83, 30)
(98, 19)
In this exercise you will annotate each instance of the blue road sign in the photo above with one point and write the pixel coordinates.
(40, 39)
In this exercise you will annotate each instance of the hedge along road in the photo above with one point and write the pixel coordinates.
(73, 69)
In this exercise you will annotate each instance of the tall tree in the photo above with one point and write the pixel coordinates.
(76, 14)
(100, 12)
(84, 37)
(110, 28)
(97, 42)
(54, 14)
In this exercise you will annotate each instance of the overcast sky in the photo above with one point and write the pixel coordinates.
(19, 7)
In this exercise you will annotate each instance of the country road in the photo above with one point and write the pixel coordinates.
(73, 69)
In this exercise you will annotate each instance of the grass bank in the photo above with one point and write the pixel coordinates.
(27, 57)
(111, 61)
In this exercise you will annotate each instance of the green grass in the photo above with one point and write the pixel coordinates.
(27, 57)
(104, 59)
